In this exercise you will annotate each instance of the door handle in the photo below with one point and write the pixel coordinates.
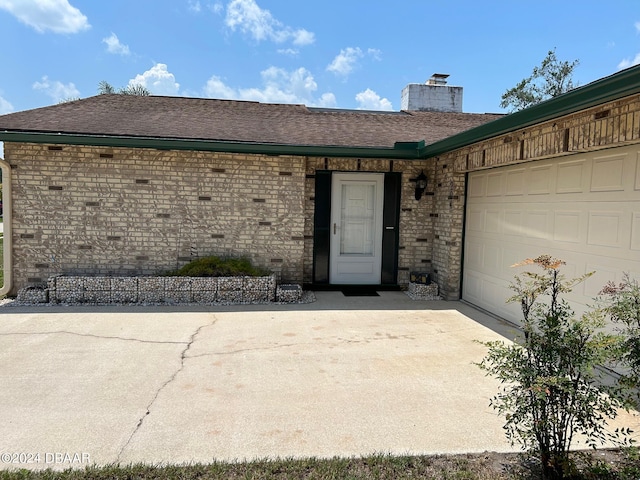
(334, 228)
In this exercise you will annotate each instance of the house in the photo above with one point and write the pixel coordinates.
(118, 184)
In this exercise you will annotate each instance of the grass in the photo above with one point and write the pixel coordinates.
(610, 464)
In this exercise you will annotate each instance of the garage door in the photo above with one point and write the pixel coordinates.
(584, 209)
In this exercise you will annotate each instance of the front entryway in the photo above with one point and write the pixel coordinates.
(356, 228)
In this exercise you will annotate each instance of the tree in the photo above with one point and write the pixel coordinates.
(551, 388)
(105, 88)
(550, 79)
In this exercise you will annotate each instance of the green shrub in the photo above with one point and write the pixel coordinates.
(622, 304)
(219, 267)
(551, 388)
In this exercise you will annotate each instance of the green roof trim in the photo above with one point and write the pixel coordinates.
(401, 150)
(608, 89)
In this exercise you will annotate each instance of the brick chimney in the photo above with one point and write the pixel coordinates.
(432, 96)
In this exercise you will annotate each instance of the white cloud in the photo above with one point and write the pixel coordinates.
(158, 80)
(303, 37)
(5, 106)
(370, 100)
(637, 25)
(194, 6)
(279, 86)
(327, 100)
(58, 91)
(292, 52)
(215, 88)
(249, 18)
(375, 53)
(345, 61)
(57, 16)
(626, 63)
(114, 46)
(217, 8)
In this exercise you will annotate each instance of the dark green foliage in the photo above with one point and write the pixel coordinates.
(622, 304)
(218, 267)
(550, 79)
(105, 88)
(552, 389)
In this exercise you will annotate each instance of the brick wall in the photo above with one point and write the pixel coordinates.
(111, 211)
(608, 125)
(140, 211)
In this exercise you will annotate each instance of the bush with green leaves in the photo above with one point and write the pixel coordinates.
(621, 303)
(220, 267)
(551, 388)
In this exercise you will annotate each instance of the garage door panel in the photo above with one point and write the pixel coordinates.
(567, 226)
(473, 288)
(474, 255)
(513, 222)
(492, 263)
(477, 186)
(571, 208)
(571, 177)
(604, 229)
(536, 224)
(539, 181)
(494, 184)
(491, 289)
(511, 257)
(516, 182)
(602, 274)
(635, 231)
(493, 222)
(608, 174)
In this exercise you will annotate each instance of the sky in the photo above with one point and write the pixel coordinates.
(352, 54)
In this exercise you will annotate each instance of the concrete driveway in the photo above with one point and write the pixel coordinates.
(342, 376)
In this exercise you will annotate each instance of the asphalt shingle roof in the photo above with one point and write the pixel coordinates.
(239, 121)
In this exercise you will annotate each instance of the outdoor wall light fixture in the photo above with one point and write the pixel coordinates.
(421, 184)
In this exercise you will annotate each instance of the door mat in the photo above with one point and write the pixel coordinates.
(360, 292)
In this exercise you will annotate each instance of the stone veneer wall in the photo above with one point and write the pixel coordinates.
(110, 211)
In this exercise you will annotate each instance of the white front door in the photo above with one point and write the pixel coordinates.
(356, 228)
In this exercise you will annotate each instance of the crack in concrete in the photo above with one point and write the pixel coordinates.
(183, 356)
(329, 342)
(90, 335)
(255, 349)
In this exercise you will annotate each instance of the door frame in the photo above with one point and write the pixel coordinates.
(322, 228)
(356, 261)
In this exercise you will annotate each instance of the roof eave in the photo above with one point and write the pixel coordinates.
(608, 89)
(401, 150)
